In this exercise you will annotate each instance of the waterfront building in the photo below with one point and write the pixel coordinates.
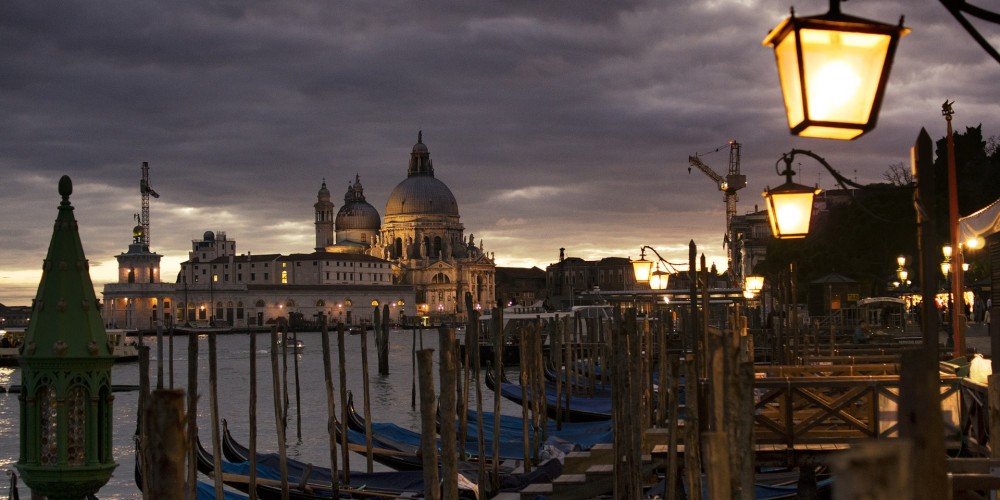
(520, 286)
(572, 275)
(14, 316)
(138, 298)
(751, 234)
(419, 263)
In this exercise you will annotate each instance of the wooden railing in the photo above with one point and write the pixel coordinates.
(975, 419)
(839, 409)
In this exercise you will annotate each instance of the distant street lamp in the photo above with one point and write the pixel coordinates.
(789, 206)
(833, 70)
(644, 273)
(753, 285)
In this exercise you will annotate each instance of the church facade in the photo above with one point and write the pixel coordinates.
(418, 263)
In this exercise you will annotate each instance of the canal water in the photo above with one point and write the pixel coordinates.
(390, 397)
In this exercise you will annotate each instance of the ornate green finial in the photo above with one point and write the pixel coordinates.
(65, 188)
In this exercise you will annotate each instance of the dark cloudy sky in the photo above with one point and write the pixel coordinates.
(555, 123)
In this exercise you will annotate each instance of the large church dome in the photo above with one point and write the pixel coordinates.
(421, 192)
(356, 212)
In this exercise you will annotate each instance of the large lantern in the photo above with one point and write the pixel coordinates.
(833, 70)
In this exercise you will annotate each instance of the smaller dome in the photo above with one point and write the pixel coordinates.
(356, 212)
(209, 236)
(358, 215)
(137, 231)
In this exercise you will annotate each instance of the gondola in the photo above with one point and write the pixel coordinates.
(584, 435)
(580, 385)
(581, 409)
(205, 490)
(388, 436)
(309, 482)
(509, 482)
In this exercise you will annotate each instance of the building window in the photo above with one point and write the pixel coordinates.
(239, 310)
(284, 277)
(266, 277)
(253, 276)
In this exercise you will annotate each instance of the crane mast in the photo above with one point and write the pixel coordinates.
(729, 185)
(145, 189)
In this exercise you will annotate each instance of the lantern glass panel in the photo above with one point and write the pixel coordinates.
(842, 73)
(791, 86)
(790, 214)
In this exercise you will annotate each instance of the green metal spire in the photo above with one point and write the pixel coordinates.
(65, 319)
(66, 415)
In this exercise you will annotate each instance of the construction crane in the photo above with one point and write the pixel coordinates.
(145, 189)
(729, 185)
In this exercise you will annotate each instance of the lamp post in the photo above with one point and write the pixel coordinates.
(833, 70)
(948, 269)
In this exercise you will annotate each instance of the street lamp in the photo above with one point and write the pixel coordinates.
(753, 285)
(789, 206)
(833, 71)
(644, 273)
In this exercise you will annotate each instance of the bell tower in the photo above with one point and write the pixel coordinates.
(324, 218)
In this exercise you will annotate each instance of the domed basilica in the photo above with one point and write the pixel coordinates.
(418, 263)
(422, 236)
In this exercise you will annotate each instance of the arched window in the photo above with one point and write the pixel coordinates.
(289, 303)
(437, 247)
(260, 303)
(397, 248)
(320, 303)
(239, 310)
(76, 429)
(48, 423)
(131, 275)
(440, 278)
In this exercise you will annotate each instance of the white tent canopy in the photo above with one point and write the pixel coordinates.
(981, 224)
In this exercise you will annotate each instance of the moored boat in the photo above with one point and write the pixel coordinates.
(122, 348)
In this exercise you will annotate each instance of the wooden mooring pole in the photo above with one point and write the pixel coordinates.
(331, 406)
(213, 395)
(446, 366)
(192, 412)
(428, 447)
(164, 445)
(342, 359)
(279, 416)
(253, 415)
(369, 453)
